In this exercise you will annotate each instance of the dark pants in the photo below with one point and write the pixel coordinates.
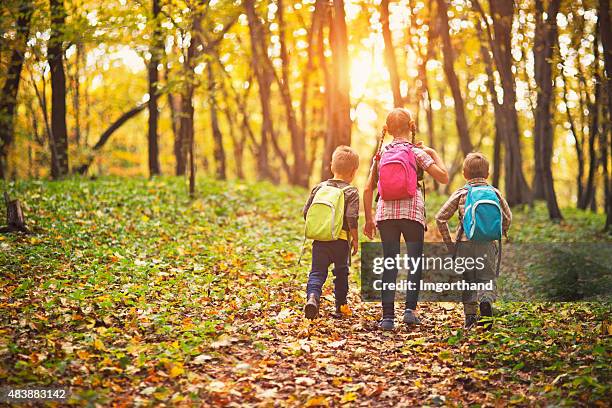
(324, 253)
(391, 232)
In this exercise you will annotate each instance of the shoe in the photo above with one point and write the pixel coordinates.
(410, 318)
(387, 324)
(311, 310)
(337, 313)
(470, 321)
(486, 311)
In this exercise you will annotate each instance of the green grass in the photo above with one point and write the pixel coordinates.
(124, 282)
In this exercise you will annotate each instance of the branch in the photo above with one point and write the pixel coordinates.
(108, 133)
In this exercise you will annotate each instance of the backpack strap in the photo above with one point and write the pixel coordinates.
(468, 187)
(499, 254)
(302, 251)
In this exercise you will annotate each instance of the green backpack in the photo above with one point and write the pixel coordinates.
(326, 214)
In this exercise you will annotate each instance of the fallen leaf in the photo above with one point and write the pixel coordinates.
(307, 381)
(317, 401)
(176, 370)
(202, 358)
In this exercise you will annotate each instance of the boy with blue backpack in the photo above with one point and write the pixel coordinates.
(484, 217)
(331, 214)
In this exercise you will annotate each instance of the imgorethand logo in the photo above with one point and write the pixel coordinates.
(458, 264)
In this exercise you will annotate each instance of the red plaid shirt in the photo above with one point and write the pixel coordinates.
(412, 208)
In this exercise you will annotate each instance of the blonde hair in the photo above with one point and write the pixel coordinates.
(475, 165)
(399, 122)
(345, 160)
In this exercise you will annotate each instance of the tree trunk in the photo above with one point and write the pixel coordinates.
(238, 143)
(8, 96)
(499, 118)
(390, 59)
(155, 51)
(175, 103)
(298, 134)
(14, 216)
(219, 152)
(453, 81)
(500, 42)
(339, 119)
(605, 31)
(264, 81)
(316, 28)
(75, 83)
(588, 199)
(578, 144)
(55, 56)
(545, 40)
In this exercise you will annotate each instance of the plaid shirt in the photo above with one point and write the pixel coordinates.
(457, 202)
(412, 208)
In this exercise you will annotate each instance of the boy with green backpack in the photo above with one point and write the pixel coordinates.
(331, 215)
(484, 217)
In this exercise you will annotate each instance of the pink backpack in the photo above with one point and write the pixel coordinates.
(397, 173)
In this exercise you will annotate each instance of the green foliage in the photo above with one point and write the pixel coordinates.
(129, 292)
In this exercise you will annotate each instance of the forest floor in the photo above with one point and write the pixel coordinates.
(129, 293)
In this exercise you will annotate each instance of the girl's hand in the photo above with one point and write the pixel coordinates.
(426, 149)
(369, 229)
(355, 245)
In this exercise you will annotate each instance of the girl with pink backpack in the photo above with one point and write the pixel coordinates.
(400, 207)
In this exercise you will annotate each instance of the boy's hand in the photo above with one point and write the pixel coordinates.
(355, 246)
(369, 229)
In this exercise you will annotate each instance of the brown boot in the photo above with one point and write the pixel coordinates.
(486, 311)
(311, 310)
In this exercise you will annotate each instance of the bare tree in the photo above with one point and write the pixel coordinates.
(264, 81)
(588, 198)
(390, 59)
(605, 32)
(8, 96)
(55, 55)
(155, 50)
(339, 117)
(499, 117)
(219, 151)
(545, 40)
(500, 43)
(453, 80)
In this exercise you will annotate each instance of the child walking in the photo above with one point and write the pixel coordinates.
(488, 218)
(331, 215)
(400, 210)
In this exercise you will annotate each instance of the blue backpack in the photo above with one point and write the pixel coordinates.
(482, 220)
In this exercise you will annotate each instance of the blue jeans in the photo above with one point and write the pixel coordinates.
(391, 232)
(324, 253)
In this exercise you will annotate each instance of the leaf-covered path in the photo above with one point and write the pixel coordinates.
(130, 293)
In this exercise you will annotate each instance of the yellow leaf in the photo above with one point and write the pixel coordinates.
(348, 397)
(346, 310)
(318, 401)
(176, 370)
(99, 345)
